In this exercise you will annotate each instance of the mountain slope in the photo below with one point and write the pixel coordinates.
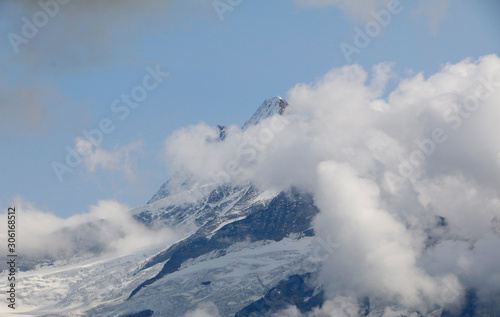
(286, 214)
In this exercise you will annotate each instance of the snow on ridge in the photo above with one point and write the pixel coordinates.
(269, 108)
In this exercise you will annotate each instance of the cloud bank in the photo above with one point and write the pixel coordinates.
(108, 228)
(406, 180)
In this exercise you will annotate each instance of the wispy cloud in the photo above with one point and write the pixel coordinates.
(107, 228)
(363, 10)
(434, 11)
(121, 159)
(360, 10)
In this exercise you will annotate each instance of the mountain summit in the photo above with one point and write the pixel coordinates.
(270, 107)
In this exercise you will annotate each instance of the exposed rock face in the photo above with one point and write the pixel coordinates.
(288, 213)
(298, 290)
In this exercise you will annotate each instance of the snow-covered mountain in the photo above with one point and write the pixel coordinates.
(270, 107)
(237, 244)
(250, 251)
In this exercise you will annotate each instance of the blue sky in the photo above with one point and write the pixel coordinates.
(65, 78)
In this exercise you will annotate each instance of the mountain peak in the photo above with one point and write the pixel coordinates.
(269, 108)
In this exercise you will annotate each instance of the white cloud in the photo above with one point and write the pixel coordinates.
(379, 254)
(355, 147)
(204, 310)
(338, 307)
(291, 311)
(120, 159)
(107, 228)
(195, 150)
